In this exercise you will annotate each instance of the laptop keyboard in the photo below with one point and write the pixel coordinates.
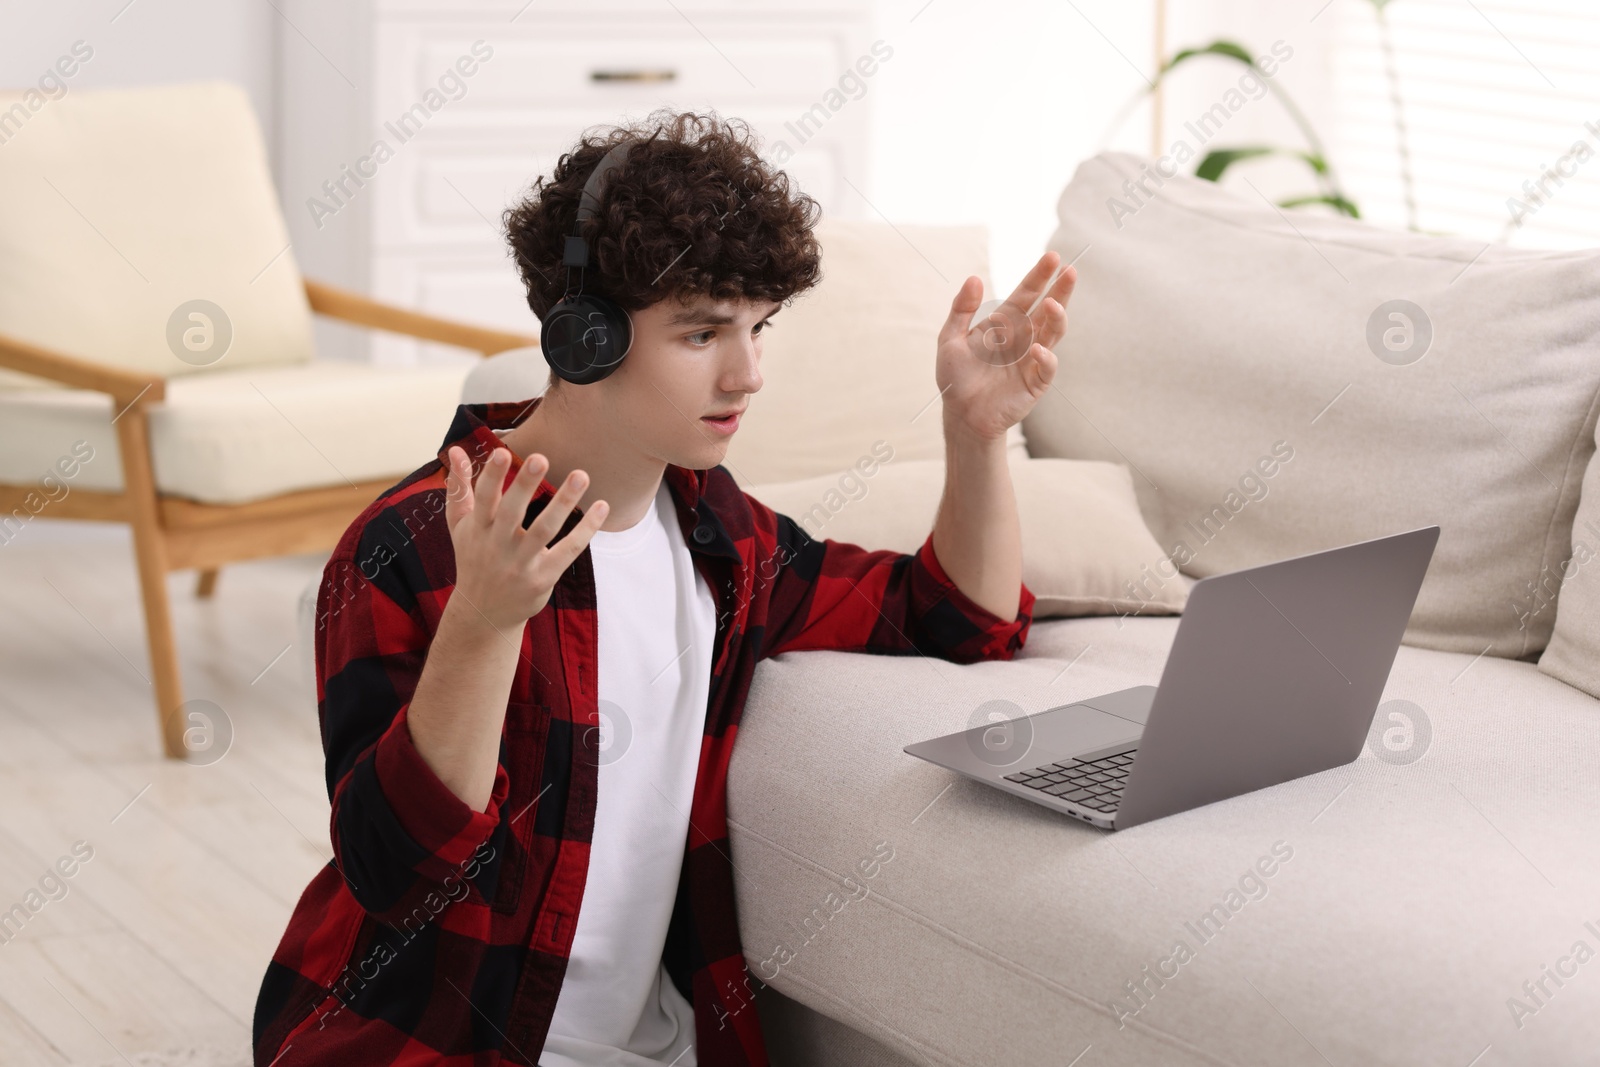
(1096, 784)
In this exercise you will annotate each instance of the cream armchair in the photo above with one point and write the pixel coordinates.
(156, 355)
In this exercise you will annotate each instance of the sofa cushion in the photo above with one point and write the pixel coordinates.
(233, 436)
(1573, 594)
(851, 361)
(1210, 328)
(1424, 882)
(1085, 547)
(120, 208)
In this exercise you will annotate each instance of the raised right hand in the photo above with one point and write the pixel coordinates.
(504, 571)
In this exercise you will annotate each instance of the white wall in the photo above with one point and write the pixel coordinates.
(981, 116)
(987, 108)
(147, 42)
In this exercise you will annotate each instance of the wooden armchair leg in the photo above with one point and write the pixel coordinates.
(207, 583)
(150, 553)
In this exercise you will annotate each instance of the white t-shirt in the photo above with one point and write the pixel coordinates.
(657, 622)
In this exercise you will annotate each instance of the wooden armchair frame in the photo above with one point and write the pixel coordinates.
(171, 533)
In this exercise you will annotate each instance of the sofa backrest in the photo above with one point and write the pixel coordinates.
(1288, 381)
(851, 361)
(140, 228)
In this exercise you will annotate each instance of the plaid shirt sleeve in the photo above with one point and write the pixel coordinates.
(398, 831)
(835, 595)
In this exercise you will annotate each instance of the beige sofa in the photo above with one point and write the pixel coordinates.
(1412, 893)
(1384, 912)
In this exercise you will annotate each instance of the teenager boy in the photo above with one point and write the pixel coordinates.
(508, 885)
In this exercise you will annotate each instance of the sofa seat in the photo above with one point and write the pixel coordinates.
(233, 436)
(1415, 901)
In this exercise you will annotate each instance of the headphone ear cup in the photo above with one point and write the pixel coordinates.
(585, 338)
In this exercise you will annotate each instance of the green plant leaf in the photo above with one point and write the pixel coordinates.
(1338, 202)
(1231, 49)
(1215, 162)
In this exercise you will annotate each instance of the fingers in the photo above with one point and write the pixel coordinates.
(1041, 370)
(1033, 283)
(457, 497)
(1050, 317)
(1065, 283)
(523, 486)
(966, 301)
(549, 521)
(487, 490)
(564, 551)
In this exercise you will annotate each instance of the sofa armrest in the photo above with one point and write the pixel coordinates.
(125, 386)
(364, 311)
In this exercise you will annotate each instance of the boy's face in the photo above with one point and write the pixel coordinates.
(687, 362)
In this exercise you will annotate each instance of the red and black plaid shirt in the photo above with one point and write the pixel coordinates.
(440, 934)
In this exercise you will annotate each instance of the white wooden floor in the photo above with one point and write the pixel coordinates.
(155, 953)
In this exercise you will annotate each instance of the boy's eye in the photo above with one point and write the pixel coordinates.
(759, 328)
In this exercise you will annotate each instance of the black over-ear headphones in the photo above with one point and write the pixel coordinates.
(584, 337)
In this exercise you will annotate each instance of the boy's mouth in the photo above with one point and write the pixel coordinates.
(727, 423)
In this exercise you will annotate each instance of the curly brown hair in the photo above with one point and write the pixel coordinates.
(691, 211)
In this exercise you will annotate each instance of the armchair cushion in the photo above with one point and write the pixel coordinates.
(233, 436)
(119, 207)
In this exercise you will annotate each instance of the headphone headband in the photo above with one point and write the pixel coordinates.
(576, 252)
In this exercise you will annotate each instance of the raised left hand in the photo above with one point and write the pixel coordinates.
(989, 387)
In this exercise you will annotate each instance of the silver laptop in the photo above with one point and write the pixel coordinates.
(1275, 673)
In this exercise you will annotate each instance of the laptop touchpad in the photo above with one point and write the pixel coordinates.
(1076, 728)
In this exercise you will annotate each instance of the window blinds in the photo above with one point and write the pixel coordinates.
(1501, 104)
